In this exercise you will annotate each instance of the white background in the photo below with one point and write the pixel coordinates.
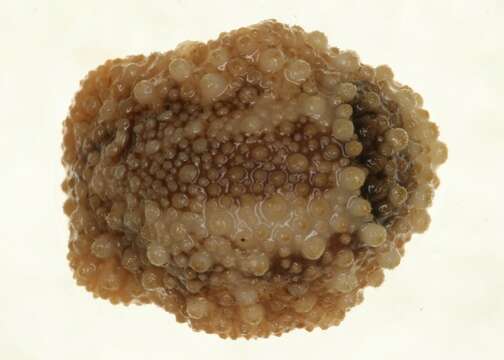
(445, 300)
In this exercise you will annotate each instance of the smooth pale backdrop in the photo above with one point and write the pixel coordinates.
(446, 298)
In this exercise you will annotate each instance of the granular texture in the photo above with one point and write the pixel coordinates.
(250, 185)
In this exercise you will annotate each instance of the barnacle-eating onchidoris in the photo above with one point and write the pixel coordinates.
(250, 185)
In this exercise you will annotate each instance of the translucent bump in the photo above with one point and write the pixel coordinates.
(346, 91)
(152, 147)
(297, 163)
(343, 111)
(359, 207)
(314, 106)
(344, 282)
(352, 178)
(144, 92)
(298, 71)
(317, 40)
(375, 278)
(439, 153)
(421, 197)
(178, 231)
(245, 296)
(251, 124)
(373, 234)
(419, 220)
(110, 280)
(194, 128)
(219, 57)
(151, 280)
(157, 254)
(246, 45)
(320, 208)
(220, 222)
(398, 195)
(252, 314)
(188, 173)
(305, 303)
(389, 259)
(104, 246)
(271, 60)
(197, 307)
(313, 247)
(108, 110)
(346, 61)
(180, 69)
(344, 258)
(213, 85)
(200, 261)
(398, 138)
(384, 73)
(258, 264)
(343, 129)
(275, 208)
